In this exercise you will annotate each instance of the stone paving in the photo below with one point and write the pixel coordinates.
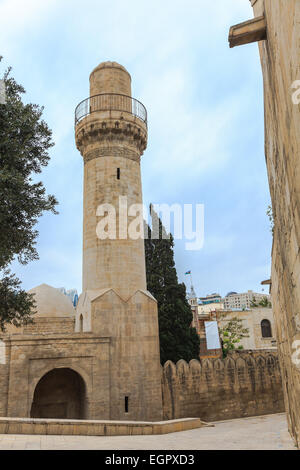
(258, 433)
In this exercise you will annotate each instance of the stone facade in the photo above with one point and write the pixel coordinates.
(244, 384)
(252, 319)
(281, 68)
(30, 358)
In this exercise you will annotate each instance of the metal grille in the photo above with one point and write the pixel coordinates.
(110, 102)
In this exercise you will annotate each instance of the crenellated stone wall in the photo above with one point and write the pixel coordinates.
(243, 384)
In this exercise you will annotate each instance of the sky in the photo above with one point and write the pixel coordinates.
(205, 122)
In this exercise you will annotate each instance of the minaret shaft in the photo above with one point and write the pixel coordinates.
(117, 263)
(111, 139)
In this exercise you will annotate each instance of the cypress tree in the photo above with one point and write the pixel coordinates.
(178, 340)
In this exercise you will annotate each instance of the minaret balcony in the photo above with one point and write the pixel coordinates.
(108, 118)
(111, 102)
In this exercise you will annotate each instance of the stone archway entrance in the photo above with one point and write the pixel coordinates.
(59, 394)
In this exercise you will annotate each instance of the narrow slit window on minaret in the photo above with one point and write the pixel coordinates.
(126, 404)
(118, 173)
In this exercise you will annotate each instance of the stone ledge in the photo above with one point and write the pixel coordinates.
(95, 427)
(247, 32)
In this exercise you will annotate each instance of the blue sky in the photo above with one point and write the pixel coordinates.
(205, 111)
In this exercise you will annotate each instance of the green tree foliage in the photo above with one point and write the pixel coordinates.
(231, 333)
(16, 305)
(24, 143)
(264, 302)
(178, 340)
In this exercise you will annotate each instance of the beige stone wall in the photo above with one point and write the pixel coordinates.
(252, 320)
(30, 357)
(281, 67)
(245, 384)
(50, 325)
(119, 359)
(43, 325)
(134, 352)
(4, 375)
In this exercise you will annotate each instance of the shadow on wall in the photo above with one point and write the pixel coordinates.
(241, 385)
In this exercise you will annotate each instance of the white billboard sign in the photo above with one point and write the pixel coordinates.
(212, 335)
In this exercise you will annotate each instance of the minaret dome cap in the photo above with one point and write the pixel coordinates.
(109, 64)
(110, 77)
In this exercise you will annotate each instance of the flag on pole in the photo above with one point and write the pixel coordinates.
(188, 272)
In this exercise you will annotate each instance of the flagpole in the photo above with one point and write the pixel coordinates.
(191, 279)
(190, 273)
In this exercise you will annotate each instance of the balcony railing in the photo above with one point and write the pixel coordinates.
(110, 102)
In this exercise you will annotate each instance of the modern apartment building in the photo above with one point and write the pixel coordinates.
(233, 300)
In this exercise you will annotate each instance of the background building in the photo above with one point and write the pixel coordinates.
(233, 300)
(71, 293)
(261, 325)
(204, 309)
(258, 320)
(212, 298)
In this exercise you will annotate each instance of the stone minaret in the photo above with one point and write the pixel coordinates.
(111, 140)
(111, 135)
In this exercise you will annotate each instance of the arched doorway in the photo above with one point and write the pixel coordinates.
(59, 394)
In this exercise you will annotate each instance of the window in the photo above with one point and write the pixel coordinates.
(126, 404)
(266, 330)
(118, 173)
(81, 323)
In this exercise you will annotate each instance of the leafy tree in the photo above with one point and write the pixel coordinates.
(24, 143)
(264, 302)
(16, 305)
(231, 333)
(178, 340)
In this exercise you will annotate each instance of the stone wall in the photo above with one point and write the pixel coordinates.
(4, 372)
(281, 69)
(244, 384)
(50, 325)
(28, 358)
